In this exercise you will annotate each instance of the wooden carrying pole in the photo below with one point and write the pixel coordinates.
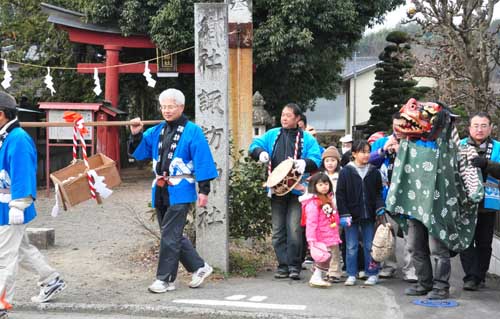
(99, 123)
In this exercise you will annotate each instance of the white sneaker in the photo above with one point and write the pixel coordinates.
(317, 281)
(350, 281)
(160, 286)
(411, 278)
(372, 280)
(362, 275)
(200, 275)
(49, 290)
(387, 272)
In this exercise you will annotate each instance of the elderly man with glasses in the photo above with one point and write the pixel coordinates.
(181, 156)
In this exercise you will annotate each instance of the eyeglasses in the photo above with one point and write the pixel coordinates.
(169, 107)
(477, 127)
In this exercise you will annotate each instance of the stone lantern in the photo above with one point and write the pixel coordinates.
(261, 118)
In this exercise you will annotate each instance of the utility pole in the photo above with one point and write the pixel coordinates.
(354, 91)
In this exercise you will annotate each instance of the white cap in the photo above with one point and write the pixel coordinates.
(346, 139)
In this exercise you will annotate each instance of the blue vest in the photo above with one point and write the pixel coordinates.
(191, 157)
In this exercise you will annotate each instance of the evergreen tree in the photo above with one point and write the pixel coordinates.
(392, 85)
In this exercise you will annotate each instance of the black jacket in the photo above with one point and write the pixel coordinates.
(356, 197)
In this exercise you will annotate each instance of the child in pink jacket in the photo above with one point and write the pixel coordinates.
(322, 226)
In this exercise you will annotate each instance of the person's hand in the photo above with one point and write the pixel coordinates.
(136, 126)
(202, 200)
(16, 216)
(264, 157)
(392, 145)
(479, 162)
(300, 165)
(345, 221)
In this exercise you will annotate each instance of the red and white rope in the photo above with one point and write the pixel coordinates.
(75, 142)
(78, 132)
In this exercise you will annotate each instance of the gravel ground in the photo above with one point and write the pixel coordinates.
(100, 248)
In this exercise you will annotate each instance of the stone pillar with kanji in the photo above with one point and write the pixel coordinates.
(211, 111)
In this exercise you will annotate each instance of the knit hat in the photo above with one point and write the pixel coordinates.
(375, 136)
(7, 101)
(331, 152)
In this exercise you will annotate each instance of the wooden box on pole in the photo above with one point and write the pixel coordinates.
(72, 180)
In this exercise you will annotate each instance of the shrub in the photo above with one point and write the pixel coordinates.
(249, 206)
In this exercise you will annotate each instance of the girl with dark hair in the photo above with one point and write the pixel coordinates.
(359, 196)
(322, 227)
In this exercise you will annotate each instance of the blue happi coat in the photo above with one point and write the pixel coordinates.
(310, 147)
(18, 164)
(191, 157)
(491, 190)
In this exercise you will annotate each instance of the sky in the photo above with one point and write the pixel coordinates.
(394, 17)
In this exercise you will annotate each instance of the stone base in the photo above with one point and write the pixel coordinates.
(42, 238)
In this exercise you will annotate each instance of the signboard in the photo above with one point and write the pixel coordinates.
(66, 133)
(167, 64)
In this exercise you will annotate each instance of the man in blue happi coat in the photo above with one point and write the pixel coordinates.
(275, 146)
(476, 259)
(18, 164)
(181, 156)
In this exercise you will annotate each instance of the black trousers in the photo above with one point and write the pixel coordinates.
(175, 247)
(476, 259)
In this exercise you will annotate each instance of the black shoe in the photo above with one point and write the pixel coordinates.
(416, 290)
(3, 314)
(436, 293)
(294, 274)
(280, 274)
(332, 279)
(471, 285)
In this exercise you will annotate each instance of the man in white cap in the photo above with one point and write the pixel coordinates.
(18, 164)
(346, 141)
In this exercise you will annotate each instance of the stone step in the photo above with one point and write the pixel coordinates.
(42, 238)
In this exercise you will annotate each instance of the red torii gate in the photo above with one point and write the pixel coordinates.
(113, 42)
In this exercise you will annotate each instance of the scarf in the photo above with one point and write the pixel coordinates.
(5, 130)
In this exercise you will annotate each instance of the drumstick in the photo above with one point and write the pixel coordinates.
(99, 123)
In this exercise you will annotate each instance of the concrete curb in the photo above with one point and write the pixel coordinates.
(154, 311)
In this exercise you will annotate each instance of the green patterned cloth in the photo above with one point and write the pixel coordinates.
(426, 185)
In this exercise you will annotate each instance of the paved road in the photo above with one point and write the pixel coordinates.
(54, 315)
(95, 243)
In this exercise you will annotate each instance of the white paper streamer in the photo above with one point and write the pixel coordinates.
(97, 88)
(147, 75)
(48, 82)
(99, 185)
(55, 209)
(7, 76)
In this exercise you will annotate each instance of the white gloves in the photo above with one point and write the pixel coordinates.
(17, 207)
(16, 216)
(300, 165)
(264, 157)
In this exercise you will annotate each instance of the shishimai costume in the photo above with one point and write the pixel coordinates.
(434, 190)
(181, 157)
(18, 165)
(280, 144)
